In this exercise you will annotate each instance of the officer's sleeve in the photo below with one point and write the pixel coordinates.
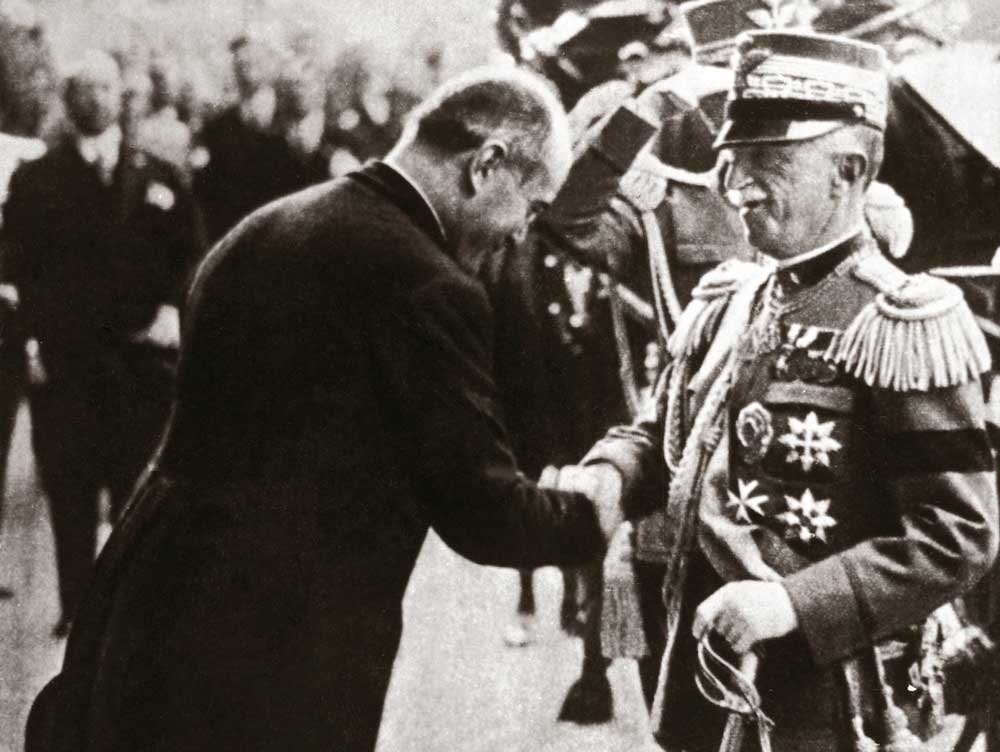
(937, 473)
(635, 451)
(434, 370)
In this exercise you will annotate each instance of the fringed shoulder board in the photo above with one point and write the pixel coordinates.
(917, 334)
(709, 299)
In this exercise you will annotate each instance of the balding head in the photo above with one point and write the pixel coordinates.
(511, 106)
(489, 148)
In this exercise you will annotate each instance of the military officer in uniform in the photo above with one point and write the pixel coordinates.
(828, 479)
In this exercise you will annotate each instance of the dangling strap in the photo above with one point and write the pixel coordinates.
(668, 305)
(732, 689)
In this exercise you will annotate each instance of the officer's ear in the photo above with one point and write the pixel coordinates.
(720, 173)
(485, 163)
(852, 168)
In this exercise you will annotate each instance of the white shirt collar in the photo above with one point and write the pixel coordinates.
(416, 186)
(258, 109)
(307, 133)
(787, 262)
(102, 149)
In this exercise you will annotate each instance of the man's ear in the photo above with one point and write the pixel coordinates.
(851, 169)
(484, 163)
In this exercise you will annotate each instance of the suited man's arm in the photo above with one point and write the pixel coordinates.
(433, 366)
(20, 225)
(938, 472)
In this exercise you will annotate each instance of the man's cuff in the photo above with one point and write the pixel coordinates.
(827, 610)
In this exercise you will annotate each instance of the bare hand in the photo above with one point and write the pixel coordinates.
(9, 296)
(746, 613)
(164, 332)
(601, 483)
(37, 375)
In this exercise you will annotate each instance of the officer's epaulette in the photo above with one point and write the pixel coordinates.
(709, 299)
(645, 184)
(917, 334)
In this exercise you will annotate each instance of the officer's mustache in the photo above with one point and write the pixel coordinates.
(745, 196)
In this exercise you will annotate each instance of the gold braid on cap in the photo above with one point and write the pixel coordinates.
(917, 334)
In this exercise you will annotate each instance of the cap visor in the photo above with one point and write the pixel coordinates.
(755, 131)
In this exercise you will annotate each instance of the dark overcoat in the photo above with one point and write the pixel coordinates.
(335, 399)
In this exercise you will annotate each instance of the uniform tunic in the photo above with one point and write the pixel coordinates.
(822, 426)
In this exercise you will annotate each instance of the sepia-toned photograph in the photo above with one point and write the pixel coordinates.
(499, 375)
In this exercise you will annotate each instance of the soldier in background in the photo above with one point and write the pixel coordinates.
(558, 370)
(103, 236)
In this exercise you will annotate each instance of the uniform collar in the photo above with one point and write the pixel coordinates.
(810, 267)
(406, 194)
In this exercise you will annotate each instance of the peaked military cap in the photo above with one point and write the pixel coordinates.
(796, 85)
(714, 25)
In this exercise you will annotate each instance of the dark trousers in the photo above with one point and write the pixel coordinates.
(88, 433)
(11, 391)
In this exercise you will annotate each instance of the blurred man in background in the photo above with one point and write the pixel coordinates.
(300, 123)
(103, 237)
(239, 144)
(162, 133)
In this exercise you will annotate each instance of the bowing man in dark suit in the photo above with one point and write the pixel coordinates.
(335, 399)
(103, 238)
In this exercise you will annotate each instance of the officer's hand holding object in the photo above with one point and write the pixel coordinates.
(746, 613)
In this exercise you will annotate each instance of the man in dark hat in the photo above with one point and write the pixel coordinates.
(828, 472)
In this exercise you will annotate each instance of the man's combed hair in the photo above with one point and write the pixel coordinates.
(510, 105)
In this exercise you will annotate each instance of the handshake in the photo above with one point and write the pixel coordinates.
(744, 613)
(601, 483)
